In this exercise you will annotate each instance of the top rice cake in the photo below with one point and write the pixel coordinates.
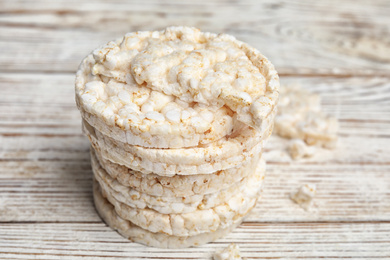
(175, 88)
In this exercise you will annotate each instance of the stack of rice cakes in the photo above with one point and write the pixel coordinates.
(177, 120)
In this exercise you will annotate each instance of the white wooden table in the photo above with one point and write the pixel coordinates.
(339, 49)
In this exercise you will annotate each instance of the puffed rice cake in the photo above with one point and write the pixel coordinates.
(226, 153)
(198, 221)
(175, 88)
(177, 185)
(177, 205)
(142, 236)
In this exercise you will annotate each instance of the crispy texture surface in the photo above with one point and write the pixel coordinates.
(195, 222)
(142, 236)
(175, 88)
(228, 153)
(177, 185)
(176, 205)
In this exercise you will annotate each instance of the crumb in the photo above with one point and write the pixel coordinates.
(304, 196)
(299, 149)
(232, 252)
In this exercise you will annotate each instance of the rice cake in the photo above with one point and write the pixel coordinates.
(244, 139)
(174, 205)
(228, 153)
(142, 236)
(177, 185)
(187, 224)
(195, 222)
(162, 89)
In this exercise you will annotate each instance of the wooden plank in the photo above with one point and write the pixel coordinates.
(45, 170)
(307, 37)
(257, 241)
(46, 208)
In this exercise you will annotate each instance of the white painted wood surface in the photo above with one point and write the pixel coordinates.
(339, 50)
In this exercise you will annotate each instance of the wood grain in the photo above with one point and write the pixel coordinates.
(333, 37)
(339, 49)
(257, 241)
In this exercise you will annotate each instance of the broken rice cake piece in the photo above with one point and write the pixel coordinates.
(232, 252)
(299, 149)
(300, 117)
(304, 196)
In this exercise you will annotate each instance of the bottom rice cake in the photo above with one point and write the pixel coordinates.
(174, 205)
(196, 222)
(177, 185)
(139, 235)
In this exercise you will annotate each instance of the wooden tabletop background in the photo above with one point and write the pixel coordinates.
(339, 49)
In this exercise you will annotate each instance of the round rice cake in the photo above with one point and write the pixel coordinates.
(139, 235)
(177, 185)
(244, 139)
(196, 222)
(182, 225)
(175, 88)
(228, 152)
(150, 136)
(173, 205)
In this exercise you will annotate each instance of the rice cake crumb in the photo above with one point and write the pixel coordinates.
(232, 252)
(299, 149)
(304, 196)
